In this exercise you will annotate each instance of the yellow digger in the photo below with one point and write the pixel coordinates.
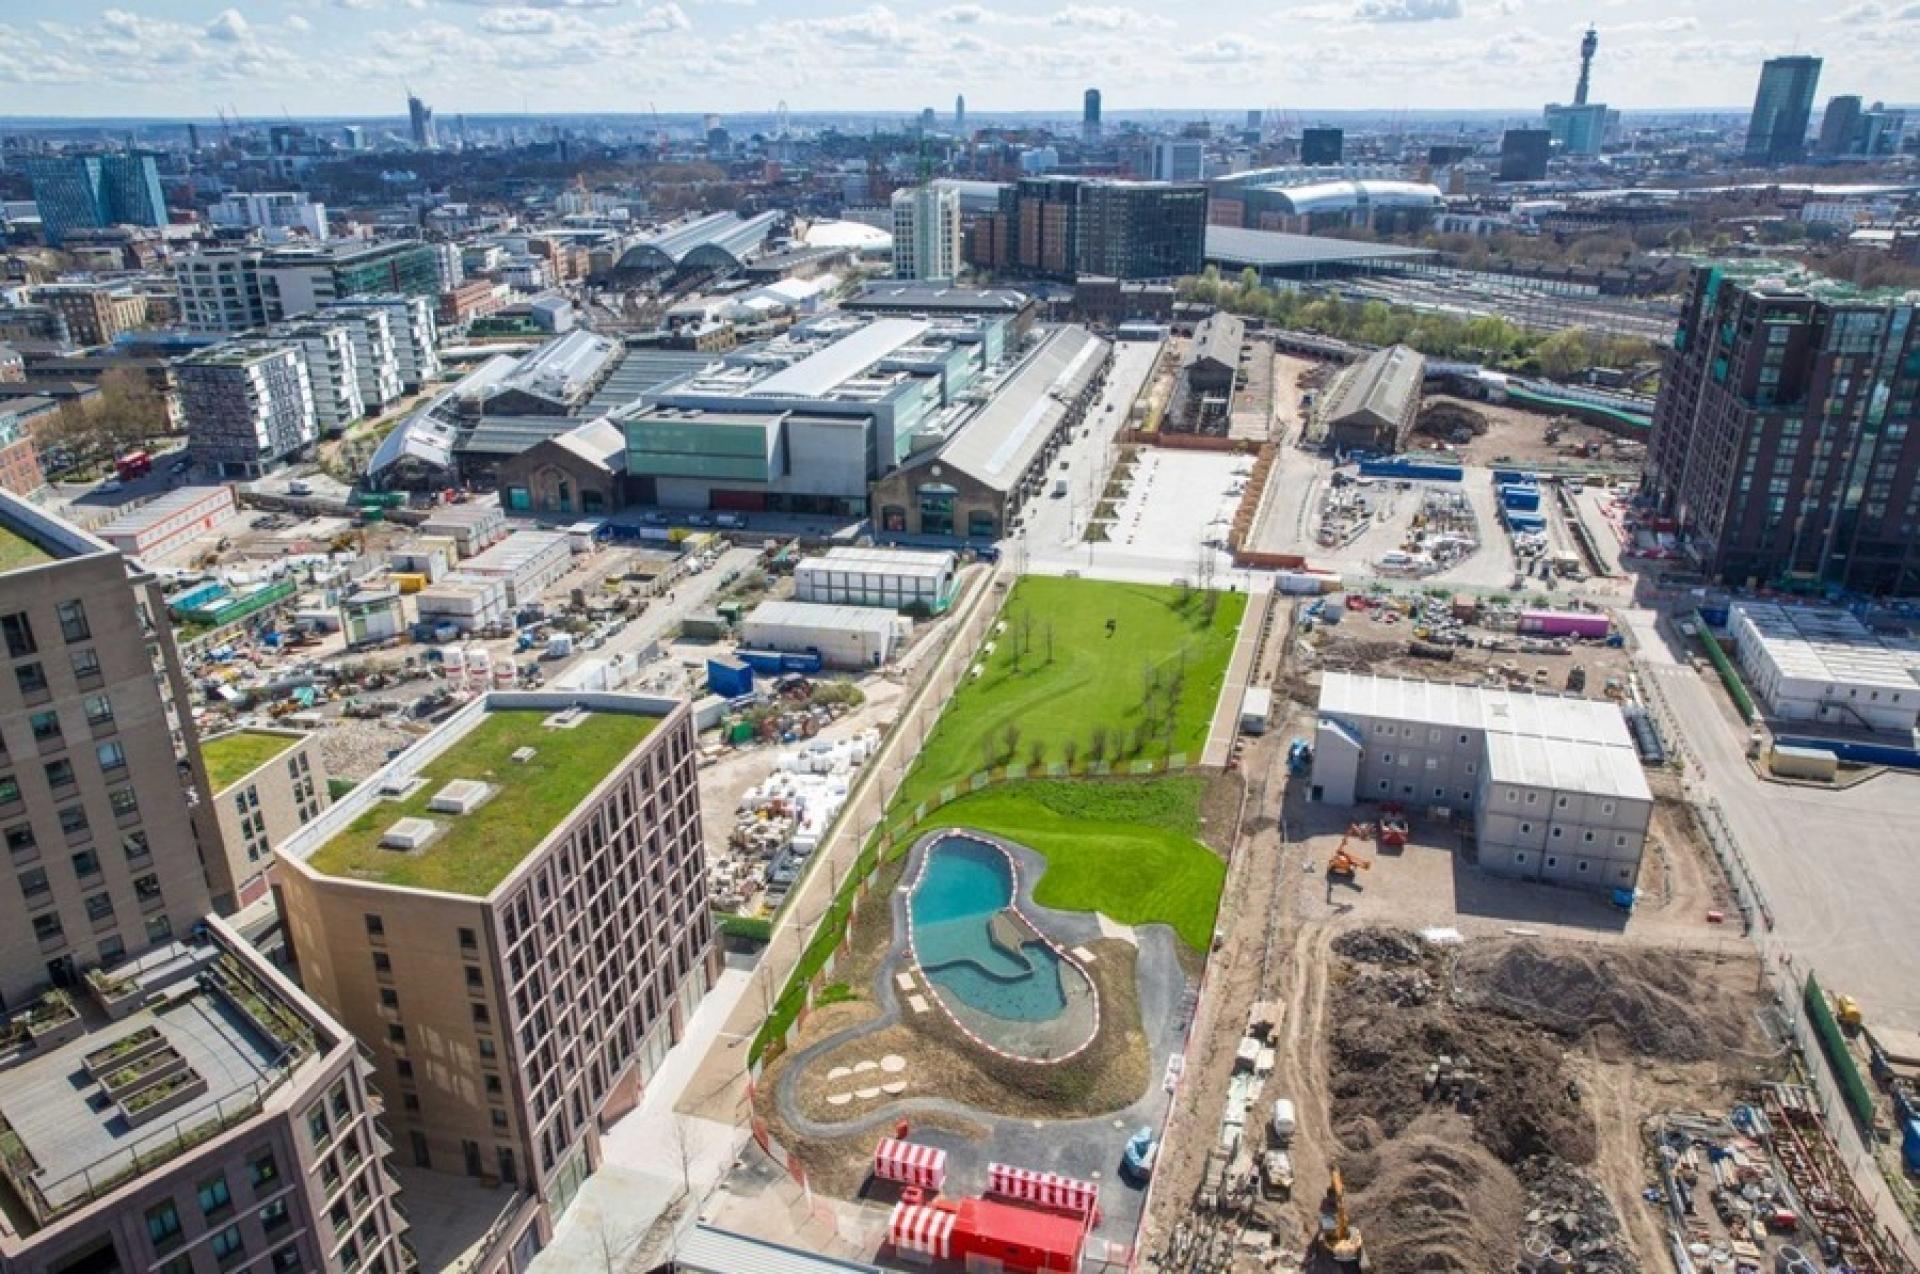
(1339, 1238)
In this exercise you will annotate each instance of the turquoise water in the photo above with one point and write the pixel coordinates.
(965, 884)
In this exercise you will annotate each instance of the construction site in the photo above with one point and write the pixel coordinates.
(1404, 1063)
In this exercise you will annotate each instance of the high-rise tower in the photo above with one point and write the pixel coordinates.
(1090, 117)
(1589, 45)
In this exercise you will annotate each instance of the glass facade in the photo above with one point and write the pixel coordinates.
(89, 192)
(670, 447)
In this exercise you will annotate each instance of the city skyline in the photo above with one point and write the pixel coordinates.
(185, 58)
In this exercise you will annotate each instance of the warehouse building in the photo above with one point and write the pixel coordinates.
(973, 484)
(472, 526)
(1810, 663)
(899, 579)
(1373, 403)
(1553, 785)
(464, 603)
(581, 471)
(526, 561)
(848, 637)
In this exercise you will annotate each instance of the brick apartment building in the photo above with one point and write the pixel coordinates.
(1783, 441)
(512, 916)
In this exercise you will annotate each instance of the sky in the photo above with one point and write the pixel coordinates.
(353, 57)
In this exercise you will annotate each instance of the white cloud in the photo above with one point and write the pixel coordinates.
(229, 25)
(1408, 10)
(517, 21)
(544, 4)
(1104, 17)
(297, 23)
(1227, 50)
(358, 5)
(964, 15)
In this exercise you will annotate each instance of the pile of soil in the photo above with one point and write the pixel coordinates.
(1444, 418)
(1649, 1003)
(1379, 946)
(1435, 1202)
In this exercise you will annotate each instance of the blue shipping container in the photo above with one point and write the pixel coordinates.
(1521, 521)
(774, 662)
(1515, 477)
(1410, 470)
(1527, 498)
(729, 678)
(1910, 1145)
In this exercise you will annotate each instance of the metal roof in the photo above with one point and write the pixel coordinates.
(1536, 740)
(1384, 385)
(1217, 337)
(1001, 440)
(723, 235)
(1822, 644)
(1337, 196)
(1268, 249)
(919, 563)
(822, 616)
(640, 373)
(919, 296)
(844, 359)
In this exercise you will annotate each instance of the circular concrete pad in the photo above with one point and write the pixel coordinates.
(893, 1063)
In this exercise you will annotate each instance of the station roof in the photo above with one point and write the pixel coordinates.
(1002, 438)
(1270, 249)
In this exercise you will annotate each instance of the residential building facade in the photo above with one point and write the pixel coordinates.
(249, 406)
(95, 312)
(517, 976)
(1783, 440)
(96, 791)
(926, 232)
(220, 291)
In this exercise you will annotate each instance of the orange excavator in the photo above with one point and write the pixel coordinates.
(1339, 1238)
(1345, 862)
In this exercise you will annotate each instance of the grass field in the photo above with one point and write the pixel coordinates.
(1061, 685)
(1126, 848)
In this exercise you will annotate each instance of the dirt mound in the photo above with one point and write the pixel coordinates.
(1649, 1002)
(1431, 1201)
(1384, 1046)
(1380, 946)
(1456, 422)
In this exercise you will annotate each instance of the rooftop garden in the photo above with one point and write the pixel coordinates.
(476, 851)
(231, 757)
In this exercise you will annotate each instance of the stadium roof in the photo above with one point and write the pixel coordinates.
(1272, 250)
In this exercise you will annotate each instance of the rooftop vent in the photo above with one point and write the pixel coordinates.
(566, 718)
(524, 755)
(462, 796)
(398, 787)
(410, 833)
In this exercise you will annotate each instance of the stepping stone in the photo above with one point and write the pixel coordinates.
(893, 1063)
(917, 1004)
(1083, 955)
(838, 1072)
(904, 981)
(839, 1099)
(866, 1094)
(895, 1088)
(861, 1068)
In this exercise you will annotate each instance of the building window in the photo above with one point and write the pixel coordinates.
(163, 1225)
(1512, 797)
(99, 710)
(46, 726)
(286, 1259)
(486, 1050)
(1620, 841)
(59, 774)
(18, 631)
(469, 941)
(1526, 828)
(99, 907)
(1519, 858)
(227, 1244)
(9, 789)
(85, 664)
(1581, 867)
(73, 621)
(159, 929)
(317, 1127)
(1552, 861)
(376, 927)
(1557, 832)
(1588, 838)
(275, 1216)
(389, 999)
(214, 1195)
(112, 757)
(46, 927)
(86, 863)
(32, 679)
(263, 1170)
(397, 1033)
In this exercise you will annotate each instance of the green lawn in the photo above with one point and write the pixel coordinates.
(231, 757)
(478, 850)
(1122, 847)
(17, 551)
(1060, 679)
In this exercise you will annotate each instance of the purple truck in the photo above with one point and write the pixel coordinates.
(1564, 623)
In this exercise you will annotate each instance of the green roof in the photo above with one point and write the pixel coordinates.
(17, 551)
(474, 852)
(1804, 276)
(231, 757)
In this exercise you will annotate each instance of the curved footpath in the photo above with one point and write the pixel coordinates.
(1088, 1148)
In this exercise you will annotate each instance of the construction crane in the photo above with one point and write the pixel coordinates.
(1339, 1238)
(1345, 863)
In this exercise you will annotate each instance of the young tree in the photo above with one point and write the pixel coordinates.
(1097, 749)
(1036, 754)
(1009, 741)
(1071, 751)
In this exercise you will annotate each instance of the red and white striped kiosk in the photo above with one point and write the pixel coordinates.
(922, 1232)
(910, 1164)
(1045, 1189)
